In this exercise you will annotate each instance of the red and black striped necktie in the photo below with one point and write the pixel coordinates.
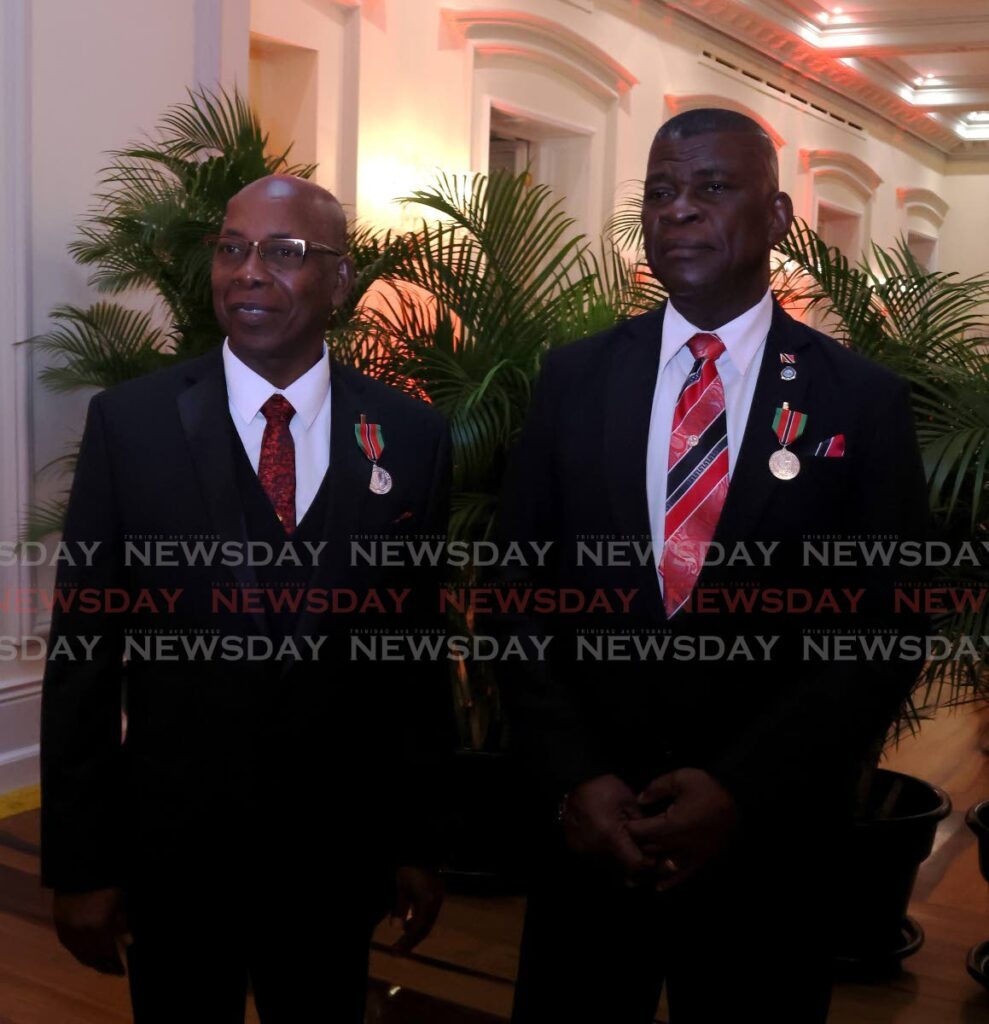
(697, 477)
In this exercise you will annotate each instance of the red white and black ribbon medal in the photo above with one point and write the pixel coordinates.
(371, 442)
(788, 424)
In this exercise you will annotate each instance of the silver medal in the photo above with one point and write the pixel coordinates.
(784, 465)
(788, 373)
(380, 480)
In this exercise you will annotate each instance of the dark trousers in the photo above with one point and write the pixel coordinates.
(302, 949)
(745, 940)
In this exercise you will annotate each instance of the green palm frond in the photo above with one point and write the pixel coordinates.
(44, 518)
(100, 346)
(473, 300)
(931, 328)
(624, 227)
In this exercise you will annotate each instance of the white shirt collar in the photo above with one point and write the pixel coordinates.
(742, 336)
(248, 390)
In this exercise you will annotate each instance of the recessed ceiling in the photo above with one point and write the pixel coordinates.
(922, 66)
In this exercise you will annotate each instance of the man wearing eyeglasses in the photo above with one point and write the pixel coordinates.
(272, 797)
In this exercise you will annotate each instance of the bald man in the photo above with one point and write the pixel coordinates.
(266, 803)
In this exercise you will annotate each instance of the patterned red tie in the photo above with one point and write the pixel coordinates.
(276, 467)
(697, 478)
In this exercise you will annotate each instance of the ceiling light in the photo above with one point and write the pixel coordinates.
(836, 10)
(824, 16)
(930, 74)
(918, 81)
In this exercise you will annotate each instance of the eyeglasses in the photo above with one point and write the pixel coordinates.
(277, 253)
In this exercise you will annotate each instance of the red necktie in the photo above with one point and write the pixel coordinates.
(276, 467)
(697, 477)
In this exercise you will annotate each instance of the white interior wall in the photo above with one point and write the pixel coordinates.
(964, 242)
(414, 107)
(283, 88)
(321, 96)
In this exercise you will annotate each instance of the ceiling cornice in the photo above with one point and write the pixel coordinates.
(843, 59)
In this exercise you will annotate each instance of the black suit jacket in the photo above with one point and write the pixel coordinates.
(770, 730)
(227, 755)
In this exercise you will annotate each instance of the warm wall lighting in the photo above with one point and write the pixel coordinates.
(383, 179)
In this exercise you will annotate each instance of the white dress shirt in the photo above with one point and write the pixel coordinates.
(310, 426)
(738, 366)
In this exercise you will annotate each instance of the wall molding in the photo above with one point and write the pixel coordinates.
(924, 201)
(543, 42)
(837, 165)
(679, 102)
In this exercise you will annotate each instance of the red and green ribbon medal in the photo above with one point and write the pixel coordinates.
(788, 425)
(371, 442)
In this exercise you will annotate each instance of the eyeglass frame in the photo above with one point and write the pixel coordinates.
(213, 240)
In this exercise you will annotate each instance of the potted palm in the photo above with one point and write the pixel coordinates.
(930, 328)
(472, 300)
(978, 821)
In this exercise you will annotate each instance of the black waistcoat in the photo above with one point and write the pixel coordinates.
(263, 525)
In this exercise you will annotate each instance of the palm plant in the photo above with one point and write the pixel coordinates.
(474, 300)
(931, 328)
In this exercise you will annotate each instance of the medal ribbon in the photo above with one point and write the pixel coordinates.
(788, 424)
(370, 439)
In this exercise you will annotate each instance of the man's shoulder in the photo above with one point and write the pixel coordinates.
(858, 370)
(586, 354)
(389, 400)
(160, 386)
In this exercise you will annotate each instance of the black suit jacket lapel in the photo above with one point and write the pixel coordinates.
(633, 365)
(752, 484)
(205, 416)
(631, 385)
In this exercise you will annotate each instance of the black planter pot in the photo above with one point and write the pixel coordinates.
(882, 856)
(977, 820)
(484, 830)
